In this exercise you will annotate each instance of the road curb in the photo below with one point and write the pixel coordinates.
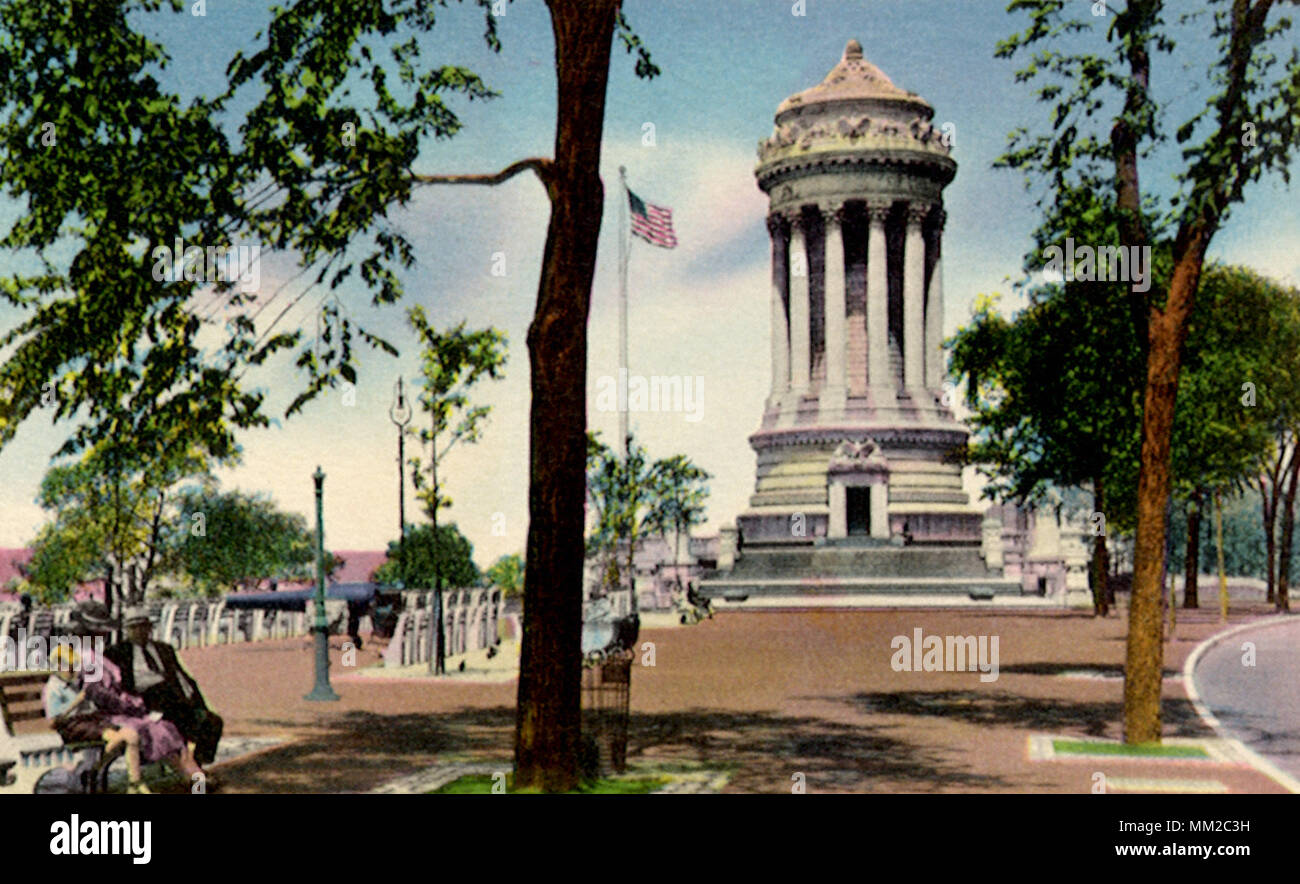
(1257, 761)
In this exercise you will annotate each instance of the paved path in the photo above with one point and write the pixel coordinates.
(774, 698)
(1260, 704)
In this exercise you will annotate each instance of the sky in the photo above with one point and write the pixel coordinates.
(688, 139)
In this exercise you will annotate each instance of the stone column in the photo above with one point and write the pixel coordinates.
(878, 372)
(934, 311)
(880, 510)
(800, 322)
(833, 397)
(726, 548)
(778, 230)
(991, 541)
(838, 524)
(913, 295)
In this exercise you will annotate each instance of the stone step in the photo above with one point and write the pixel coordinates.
(911, 562)
(845, 591)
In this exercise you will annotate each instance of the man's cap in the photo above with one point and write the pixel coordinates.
(93, 617)
(132, 616)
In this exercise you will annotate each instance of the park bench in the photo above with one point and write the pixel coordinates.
(494, 616)
(275, 624)
(222, 623)
(179, 634)
(11, 617)
(171, 619)
(262, 624)
(42, 623)
(62, 617)
(241, 625)
(26, 750)
(157, 612)
(471, 620)
(197, 633)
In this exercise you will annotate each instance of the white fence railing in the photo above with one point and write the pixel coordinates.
(470, 622)
(470, 618)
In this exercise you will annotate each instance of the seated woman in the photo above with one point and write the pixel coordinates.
(77, 720)
(91, 710)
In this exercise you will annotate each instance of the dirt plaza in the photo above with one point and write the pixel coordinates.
(771, 698)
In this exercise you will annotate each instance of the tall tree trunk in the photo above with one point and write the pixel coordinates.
(1167, 329)
(1288, 532)
(110, 574)
(1098, 567)
(548, 717)
(1144, 656)
(1266, 515)
(631, 574)
(1192, 567)
(155, 541)
(1270, 490)
(436, 645)
(1166, 582)
(1223, 575)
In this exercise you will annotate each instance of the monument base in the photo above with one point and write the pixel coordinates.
(871, 572)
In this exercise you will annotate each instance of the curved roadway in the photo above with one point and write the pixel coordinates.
(1260, 704)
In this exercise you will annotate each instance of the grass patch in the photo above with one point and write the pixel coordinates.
(481, 784)
(1144, 750)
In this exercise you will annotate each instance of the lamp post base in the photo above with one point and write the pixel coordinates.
(322, 692)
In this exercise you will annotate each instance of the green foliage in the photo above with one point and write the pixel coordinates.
(507, 573)
(140, 528)
(631, 497)
(451, 362)
(1147, 750)
(113, 516)
(1056, 391)
(62, 558)
(1082, 65)
(111, 167)
(339, 163)
(1244, 553)
(244, 542)
(108, 166)
(1244, 330)
(452, 556)
(646, 69)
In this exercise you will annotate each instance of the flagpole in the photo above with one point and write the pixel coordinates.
(624, 254)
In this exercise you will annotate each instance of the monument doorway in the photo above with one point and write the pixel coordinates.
(857, 506)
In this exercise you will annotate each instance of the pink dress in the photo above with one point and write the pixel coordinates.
(158, 739)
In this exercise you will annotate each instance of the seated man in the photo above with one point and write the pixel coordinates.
(153, 671)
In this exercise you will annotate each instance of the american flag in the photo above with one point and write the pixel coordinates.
(654, 224)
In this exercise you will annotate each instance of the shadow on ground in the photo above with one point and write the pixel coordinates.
(766, 751)
(1051, 714)
(361, 750)
(1108, 670)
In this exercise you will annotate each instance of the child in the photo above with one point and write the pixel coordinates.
(77, 720)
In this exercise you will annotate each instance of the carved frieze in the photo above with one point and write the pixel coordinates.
(892, 437)
(855, 130)
(860, 455)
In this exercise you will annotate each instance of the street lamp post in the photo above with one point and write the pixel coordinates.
(400, 415)
(437, 661)
(322, 691)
